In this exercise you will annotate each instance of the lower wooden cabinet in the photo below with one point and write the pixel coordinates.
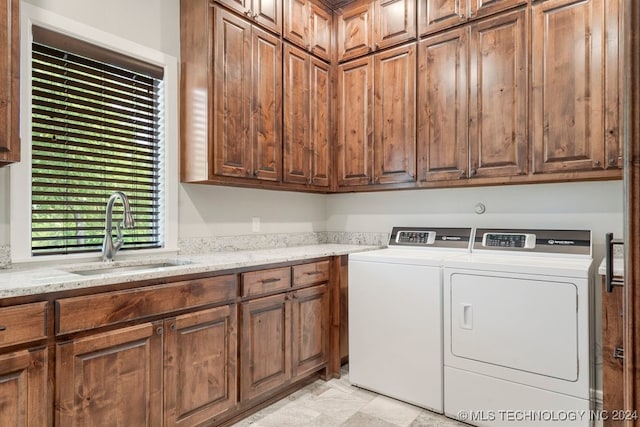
(284, 337)
(265, 355)
(200, 369)
(111, 378)
(24, 399)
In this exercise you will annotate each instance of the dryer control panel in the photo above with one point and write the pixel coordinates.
(570, 242)
(432, 237)
(509, 240)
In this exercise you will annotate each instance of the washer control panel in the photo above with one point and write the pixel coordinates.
(415, 237)
(509, 240)
(431, 237)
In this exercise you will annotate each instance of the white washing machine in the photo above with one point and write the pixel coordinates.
(395, 314)
(518, 329)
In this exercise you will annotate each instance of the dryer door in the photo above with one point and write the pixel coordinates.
(519, 323)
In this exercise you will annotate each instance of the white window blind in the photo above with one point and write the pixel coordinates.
(96, 129)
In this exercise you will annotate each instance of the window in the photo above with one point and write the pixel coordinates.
(99, 120)
(95, 130)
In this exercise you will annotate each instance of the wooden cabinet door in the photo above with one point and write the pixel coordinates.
(395, 22)
(355, 30)
(266, 123)
(567, 105)
(265, 351)
(268, 13)
(488, 7)
(498, 96)
(320, 122)
(355, 126)
(442, 106)
(296, 116)
(242, 6)
(200, 362)
(394, 116)
(9, 81)
(435, 15)
(320, 31)
(310, 327)
(111, 378)
(24, 400)
(296, 22)
(232, 100)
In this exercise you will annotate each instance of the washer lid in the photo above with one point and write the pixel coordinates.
(404, 255)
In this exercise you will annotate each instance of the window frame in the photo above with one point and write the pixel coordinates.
(20, 173)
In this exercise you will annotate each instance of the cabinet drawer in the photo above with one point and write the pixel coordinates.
(263, 281)
(93, 311)
(307, 274)
(23, 323)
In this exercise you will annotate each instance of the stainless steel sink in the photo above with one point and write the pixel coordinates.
(127, 268)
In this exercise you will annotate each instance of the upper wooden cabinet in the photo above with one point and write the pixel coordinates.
(366, 26)
(307, 118)
(310, 26)
(232, 106)
(473, 117)
(498, 96)
(9, 82)
(436, 15)
(394, 117)
(267, 13)
(376, 125)
(570, 130)
(355, 123)
(443, 105)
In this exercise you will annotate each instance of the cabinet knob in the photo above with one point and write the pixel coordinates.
(463, 174)
(377, 46)
(597, 163)
(248, 13)
(172, 327)
(473, 172)
(255, 173)
(255, 16)
(612, 162)
(3, 328)
(160, 330)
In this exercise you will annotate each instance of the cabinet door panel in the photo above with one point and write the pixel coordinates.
(442, 101)
(498, 104)
(23, 389)
(242, 6)
(267, 105)
(113, 378)
(435, 15)
(321, 124)
(9, 81)
(613, 65)
(355, 128)
(296, 22)
(567, 106)
(309, 328)
(487, 7)
(321, 29)
(265, 354)
(394, 116)
(395, 22)
(296, 116)
(200, 366)
(232, 100)
(268, 13)
(355, 37)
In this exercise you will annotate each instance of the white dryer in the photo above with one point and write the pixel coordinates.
(518, 329)
(395, 314)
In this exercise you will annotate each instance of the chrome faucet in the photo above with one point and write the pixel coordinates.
(109, 248)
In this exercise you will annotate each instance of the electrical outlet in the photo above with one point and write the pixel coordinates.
(255, 224)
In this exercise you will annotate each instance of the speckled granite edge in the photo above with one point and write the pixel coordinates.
(204, 245)
(357, 238)
(5, 256)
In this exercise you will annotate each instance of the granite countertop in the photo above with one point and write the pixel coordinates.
(29, 280)
(618, 262)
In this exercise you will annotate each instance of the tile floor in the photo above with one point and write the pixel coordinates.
(337, 403)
